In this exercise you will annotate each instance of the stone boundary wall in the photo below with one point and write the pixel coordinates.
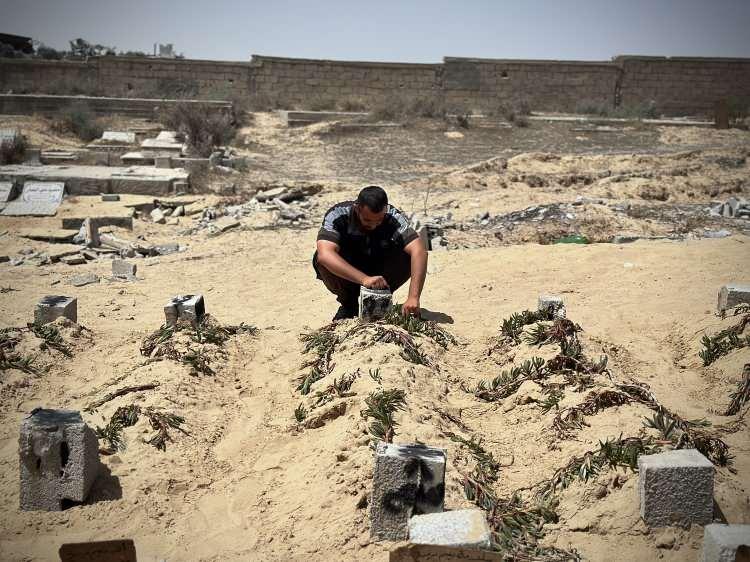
(677, 85)
(683, 85)
(50, 105)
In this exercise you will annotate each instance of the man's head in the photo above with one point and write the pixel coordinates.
(371, 206)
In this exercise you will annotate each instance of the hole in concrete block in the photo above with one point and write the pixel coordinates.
(64, 455)
(38, 463)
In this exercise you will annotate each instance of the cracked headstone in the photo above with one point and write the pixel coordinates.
(190, 308)
(59, 457)
(374, 303)
(52, 307)
(407, 480)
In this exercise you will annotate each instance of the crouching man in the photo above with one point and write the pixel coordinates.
(369, 243)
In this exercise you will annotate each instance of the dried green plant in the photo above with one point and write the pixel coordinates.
(573, 417)
(508, 382)
(418, 327)
(727, 340)
(199, 363)
(381, 407)
(300, 413)
(512, 327)
(322, 342)
(612, 453)
(552, 399)
(741, 396)
(51, 337)
(124, 416)
(542, 334)
(9, 358)
(162, 422)
(375, 375)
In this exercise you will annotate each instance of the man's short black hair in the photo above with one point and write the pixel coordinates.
(374, 197)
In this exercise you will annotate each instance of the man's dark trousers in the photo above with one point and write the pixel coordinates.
(396, 269)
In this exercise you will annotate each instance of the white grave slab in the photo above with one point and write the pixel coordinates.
(38, 198)
(119, 136)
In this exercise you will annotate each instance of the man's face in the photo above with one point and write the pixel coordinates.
(367, 218)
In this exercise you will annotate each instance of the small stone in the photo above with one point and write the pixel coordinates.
(665, 538)
(122, 268)
(110, 197)
(85, 279)
(157, 216)
(76, 259)
(463, 527)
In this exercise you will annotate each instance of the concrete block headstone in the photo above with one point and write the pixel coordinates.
(726, 543)
(59, 459)
(190, 308)
(407, 480)
(676, 488)
(53, 306)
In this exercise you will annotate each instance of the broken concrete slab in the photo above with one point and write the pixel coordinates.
(157, 216)
(553, 304)
(722, 543)
(123, 269)
(59, 457)
(121, 550)
(374, 303)
(51, 235)
(94, 180)
(733, 294)
(463, 527)
(225, 223)
(676, 488)
(407, 480)
(38, 198)
(84, 279)
(76, 259)
(190, 308)
(52, 307)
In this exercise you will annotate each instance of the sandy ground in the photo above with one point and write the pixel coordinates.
(248, 483)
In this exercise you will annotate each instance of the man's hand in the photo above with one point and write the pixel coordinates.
(410, 307)
(376, 282)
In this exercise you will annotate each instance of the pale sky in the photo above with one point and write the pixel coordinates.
(392, 30)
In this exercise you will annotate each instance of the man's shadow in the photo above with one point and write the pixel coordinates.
(437, 317)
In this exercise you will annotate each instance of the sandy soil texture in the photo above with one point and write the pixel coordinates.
(242, 479)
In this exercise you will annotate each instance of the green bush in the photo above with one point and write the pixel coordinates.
(79, 122)
(204, 126)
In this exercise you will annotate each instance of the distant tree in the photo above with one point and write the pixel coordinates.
(8, 52)
(133, 54)
(82, 48)
(45, 52)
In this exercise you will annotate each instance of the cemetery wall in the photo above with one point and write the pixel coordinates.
(676, 85)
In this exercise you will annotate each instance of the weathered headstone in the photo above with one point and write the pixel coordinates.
(676, 488)
(59, 459)
(91, 233)
(52, 307)
(724, 543)
(407, 480)
(124, 269)
(122, 550)
(38, 198)
(463, 527)
(118, 136)
(374, 303)
(190, 308)
(436, 553)
(733, 294)
(553, 304)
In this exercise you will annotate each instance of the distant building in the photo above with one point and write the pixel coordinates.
(166, 51)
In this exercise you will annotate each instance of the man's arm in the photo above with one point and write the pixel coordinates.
(418, 254)
(329, 257)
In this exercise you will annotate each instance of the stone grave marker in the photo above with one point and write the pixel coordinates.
(52, 307)
(374, 303)
(38, 198)
(726, 543)
(191, 308)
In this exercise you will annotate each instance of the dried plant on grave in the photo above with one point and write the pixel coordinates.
(573, 417)
(727, 340)
(741, 396)
(375, 375)
(508, 382)
(339, 387)
(687, 434)
(207, 331)
(210, 331)
(512, 327)
(199, 363)
(410, 350)
(516, 526)
(51, 338)
(612, 453)
(323, 342)
(300, 413)
(552, 399)
(381, 406)
(127, 416)
(9, 358)
(415, 326)
(560, 330)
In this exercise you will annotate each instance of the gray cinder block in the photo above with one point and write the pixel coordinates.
(723, 543)
(122, 268)
(110, 197)
(464, 527)
(374, 303)
(407, 480)
(552, 303)
(53, 306)
(733, 294)
(190, 308)
(676, 488)
(59, 459)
